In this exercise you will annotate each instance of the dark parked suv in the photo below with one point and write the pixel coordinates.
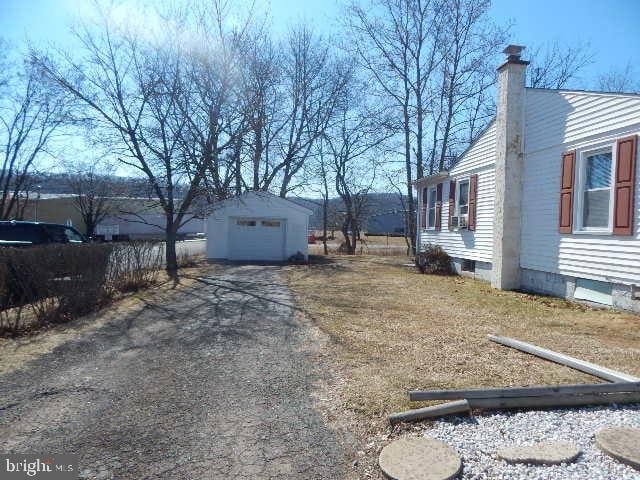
(24, 234)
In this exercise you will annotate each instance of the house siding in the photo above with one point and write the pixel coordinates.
(476, 245)
(480, 155)
(556, 122)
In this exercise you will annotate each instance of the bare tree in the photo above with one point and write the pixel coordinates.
(619, 81)
(312, 82)
(264, 97)
(322, 176)
(211, 102)
(556, 65)
(93, 191)
(394, 183)
(353, 140)
(31, 112)
(129, 88)
(397, 42)
(469, 44)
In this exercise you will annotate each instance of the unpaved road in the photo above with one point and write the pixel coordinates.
(213, 380)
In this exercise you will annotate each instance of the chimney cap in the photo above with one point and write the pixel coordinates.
(513, 56)
(513, 50)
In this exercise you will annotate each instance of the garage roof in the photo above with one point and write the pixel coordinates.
(271, 197)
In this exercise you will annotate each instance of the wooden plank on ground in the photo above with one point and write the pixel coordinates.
(577, 364)
(554, 401)
(449, 408)
(506, 392)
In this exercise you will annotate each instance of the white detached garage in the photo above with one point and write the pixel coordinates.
(257, 226)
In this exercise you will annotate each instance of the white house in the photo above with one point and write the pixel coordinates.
(544, 199)
(257, 226)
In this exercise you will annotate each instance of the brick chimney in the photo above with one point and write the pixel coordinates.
(509, 170)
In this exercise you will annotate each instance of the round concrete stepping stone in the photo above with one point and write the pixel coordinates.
(622, 443)
(543, 453)
(419, 459)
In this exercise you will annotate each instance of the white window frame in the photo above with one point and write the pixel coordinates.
(458, 185)
(428, 207)
(579, 184)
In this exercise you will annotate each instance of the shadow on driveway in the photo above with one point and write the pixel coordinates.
(212, 380)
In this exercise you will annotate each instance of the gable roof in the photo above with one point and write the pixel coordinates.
(430, 178)
(270, 197)
(586, 92)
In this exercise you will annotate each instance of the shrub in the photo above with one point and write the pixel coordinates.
(297, 259)
(134, 265)
(56, 283)
(187, 260)
(51, 283)
(434, 260)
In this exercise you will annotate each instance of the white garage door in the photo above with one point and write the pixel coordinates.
(256, 239)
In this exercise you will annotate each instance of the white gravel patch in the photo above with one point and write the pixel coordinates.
(477, 440)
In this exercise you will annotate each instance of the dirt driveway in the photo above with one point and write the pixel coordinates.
(214, 380)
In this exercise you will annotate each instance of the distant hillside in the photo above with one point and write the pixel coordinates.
(56, 183)
(378, 204)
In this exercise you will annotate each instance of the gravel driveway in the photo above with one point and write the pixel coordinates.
(212, 381)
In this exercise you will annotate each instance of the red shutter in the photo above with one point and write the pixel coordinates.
(439, 207)
(566, 192)
(624, 186)
(473, 200)
(452, 201)
(425, 200)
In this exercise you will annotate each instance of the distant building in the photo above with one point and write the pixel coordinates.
(386, 223)
(139, 218)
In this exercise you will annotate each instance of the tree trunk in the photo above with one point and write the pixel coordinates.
(90, 227)
(257, 154)
(238, 166)
(411, 220)
(419, 134)
(354, 236)
(349, 249)
(324, 225)
(170, 250)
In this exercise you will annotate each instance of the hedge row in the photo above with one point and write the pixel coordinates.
(56, 283)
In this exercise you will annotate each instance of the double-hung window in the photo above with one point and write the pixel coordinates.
(595, 194)
(462, 197)
(431, 208)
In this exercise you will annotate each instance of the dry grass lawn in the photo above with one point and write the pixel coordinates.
(394, 330)
(379, 245)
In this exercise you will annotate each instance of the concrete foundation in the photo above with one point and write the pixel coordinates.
(624, 297)
(547, 283)
(482, 270)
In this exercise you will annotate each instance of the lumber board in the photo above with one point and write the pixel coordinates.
(507, 392)
(554, 401)
(444, 409)
(575, 363)
(505, 403)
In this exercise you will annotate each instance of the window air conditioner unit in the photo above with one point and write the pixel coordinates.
(459, 221)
